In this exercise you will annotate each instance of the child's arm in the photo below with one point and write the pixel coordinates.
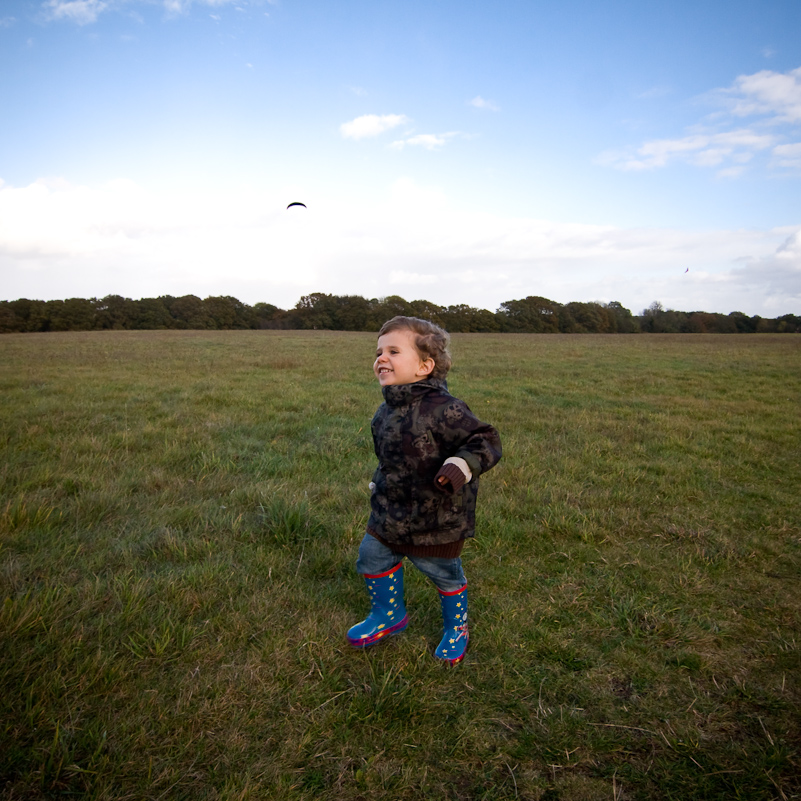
(474, 448)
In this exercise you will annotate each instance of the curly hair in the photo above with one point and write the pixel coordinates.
(431, 341)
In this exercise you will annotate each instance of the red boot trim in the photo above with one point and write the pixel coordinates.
(388, 573)
(454, 592)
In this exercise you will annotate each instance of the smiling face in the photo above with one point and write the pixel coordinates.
(397, 360)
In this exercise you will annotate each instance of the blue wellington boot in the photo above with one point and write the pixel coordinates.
(388, 615)
(454, 615)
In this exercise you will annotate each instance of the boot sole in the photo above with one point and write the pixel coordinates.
(452, 662)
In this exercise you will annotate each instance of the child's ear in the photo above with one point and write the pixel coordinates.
(426, 367)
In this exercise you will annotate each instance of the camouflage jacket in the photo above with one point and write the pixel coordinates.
(418, 426)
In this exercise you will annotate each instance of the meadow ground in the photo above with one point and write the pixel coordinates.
(180, 518)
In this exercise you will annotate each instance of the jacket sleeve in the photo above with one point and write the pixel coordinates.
(453, 475)
(466, 437)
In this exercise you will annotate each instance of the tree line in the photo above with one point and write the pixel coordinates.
(354, 313)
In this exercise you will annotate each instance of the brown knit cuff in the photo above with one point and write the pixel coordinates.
(456, 478)
(448, 550)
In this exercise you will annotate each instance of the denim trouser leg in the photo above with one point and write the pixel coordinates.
(375, 558)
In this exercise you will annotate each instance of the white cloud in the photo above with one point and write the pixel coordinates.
(176, 6)
(412, 279)
(655, 92)
(7, 22)
(481, 103)
(427, 141)
(776, 277)
(369, 125)
(82, 12)
(788, 155)
(772, 94)
(701, 149)
(59, 240)
(772, 98)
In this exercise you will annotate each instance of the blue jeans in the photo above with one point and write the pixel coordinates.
(375, 558)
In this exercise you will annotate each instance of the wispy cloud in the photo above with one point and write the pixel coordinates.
(774, 95)
(175, 8)
(480, 103)
(426, 141)
(82, 12)
(701, 149)
(773, 99)
(776, 276)
(369, 125)
(413, 279)
(85, 12)
(788, 155)
(655, 92)
(7, 22)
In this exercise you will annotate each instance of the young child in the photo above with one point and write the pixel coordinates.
(431, 450)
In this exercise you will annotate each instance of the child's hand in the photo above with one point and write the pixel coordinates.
(450, 478)
(445, 483)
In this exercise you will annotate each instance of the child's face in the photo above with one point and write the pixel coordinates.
(397, 360)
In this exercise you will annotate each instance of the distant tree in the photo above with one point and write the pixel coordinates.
(658, 320)
(722, 324)
(115, 312)
(466, 319)
(354, 313)
(648, 316)
(585, 318)
(708, 323)
(317, 311)
(29, 315)
(743, 323)
(426, 310)
(151, 314)
(266, 314)
(9, 322)
(625, 322)
(393, 306)
(245, 316)
(698, 323)
(351, 313)
(226, 312)
(188, 311)
(73, 314)
(671, 321)
(286, 320)
(38, 315)
(788, 324)
(533, 314)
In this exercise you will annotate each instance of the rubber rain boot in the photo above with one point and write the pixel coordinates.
(388, 613)
(453, 646)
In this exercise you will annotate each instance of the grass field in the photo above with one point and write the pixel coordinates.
(180, 518)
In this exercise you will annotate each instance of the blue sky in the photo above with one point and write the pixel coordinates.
(460, 152)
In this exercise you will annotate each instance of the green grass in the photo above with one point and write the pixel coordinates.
(179, 522)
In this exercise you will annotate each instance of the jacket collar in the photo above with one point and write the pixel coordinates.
(405, 394)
